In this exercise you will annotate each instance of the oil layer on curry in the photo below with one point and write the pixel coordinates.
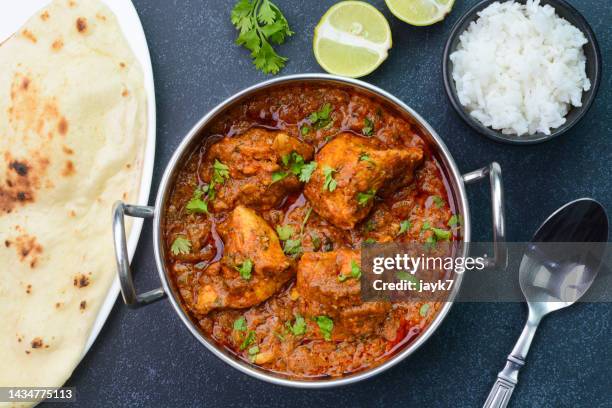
(264, 227)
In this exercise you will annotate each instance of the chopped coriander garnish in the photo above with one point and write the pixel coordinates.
(455, 220)
(294, 162)
(364, 157)
(279, 336)
(245, 269)
(220, 172)
(355, 272)
(329, 184)
(284, 232)
(196, 204)
(307, 171)
(298, 327)
(306, 217)
(305, 130)
(326, 325)
(292, 246)
(404, 227)
(240, 324)
(278, 176)
(253, 351)
(261, 24)
(368, 127)
(406, 276)
(321, 118)
(426, 226)
(369, 241)
(424, 309)
(441, 234)
(250, 337)
(438, 201)
(364, 198)
(430, 242)
(316, 241)
(181, 245)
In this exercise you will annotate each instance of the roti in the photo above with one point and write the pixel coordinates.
(72, 137)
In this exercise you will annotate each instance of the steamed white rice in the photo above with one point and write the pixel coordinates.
(519, 68)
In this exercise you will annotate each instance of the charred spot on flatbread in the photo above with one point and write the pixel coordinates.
(68, 169)
(83, 305)
(81, 24)
(36, 342)
(27, 247)
(57, 44)
(44, 16)
(81, 280)
(29, 35)
(21, 179)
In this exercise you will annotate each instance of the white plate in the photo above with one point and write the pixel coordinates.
(13, 14)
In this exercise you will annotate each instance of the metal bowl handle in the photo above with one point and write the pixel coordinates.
(493, 171)
(128, 290)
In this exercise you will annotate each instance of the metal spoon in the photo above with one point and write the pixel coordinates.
(554, 276)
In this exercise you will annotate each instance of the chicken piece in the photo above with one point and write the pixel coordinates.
(231, 282)
(350, 171)
(252, 158)
(327, 287)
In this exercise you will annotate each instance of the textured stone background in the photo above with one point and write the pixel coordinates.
(146, 357)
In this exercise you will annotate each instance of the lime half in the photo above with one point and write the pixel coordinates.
(420, 12)
(352, 39)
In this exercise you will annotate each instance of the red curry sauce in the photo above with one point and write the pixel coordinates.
(274, 334)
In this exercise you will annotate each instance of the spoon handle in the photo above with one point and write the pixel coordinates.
(504, 385)
(508, 377)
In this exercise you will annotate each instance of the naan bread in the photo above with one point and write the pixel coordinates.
(72, 136)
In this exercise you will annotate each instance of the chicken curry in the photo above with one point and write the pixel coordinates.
(264, 226)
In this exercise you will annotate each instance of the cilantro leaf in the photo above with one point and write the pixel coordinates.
(278, 176)
(220, 172)
(292, 246)
(250, 338)
(197, 204)
(368, 127)
(364, 198)
(181, 245)
(441, 234)
(260, 23)
(364, 157)
(322, 117)
(245, 269)
(298, 328)
(307, 171)
(284, 232)
(404, 227)
(438, 201)
(355, 272)
(329, 184)
(326, 325)
(406, 276)
(424, 309)
(455, 220)
(240, 324)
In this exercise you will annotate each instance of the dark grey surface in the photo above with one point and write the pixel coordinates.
(147, 358)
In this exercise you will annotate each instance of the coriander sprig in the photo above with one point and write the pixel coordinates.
(261, 24)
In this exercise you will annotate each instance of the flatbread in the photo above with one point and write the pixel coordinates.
(72, 137)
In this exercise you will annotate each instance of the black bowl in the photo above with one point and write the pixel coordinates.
(593, 72)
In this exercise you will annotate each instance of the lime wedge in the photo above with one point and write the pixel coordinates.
(352, 39)
(420, 12)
